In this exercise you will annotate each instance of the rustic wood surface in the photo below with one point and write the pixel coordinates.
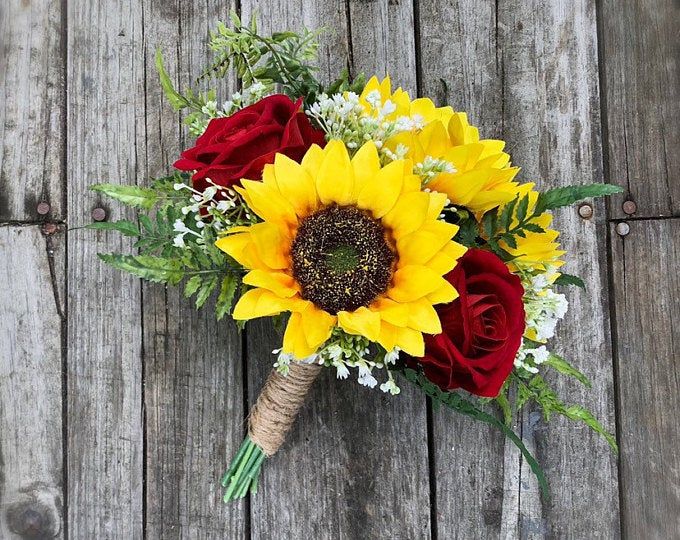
(120, 405)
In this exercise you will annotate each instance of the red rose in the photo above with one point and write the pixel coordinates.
(242, 144)
(481, 330)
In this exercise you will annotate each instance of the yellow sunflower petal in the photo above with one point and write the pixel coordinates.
(268, 202)
(444, 294)
(317, 325)
(423, 317)
(420, 246)
(360, 322)
(294, 339)
(280, 283)
(382, 191)
(295, 184)
(365, 163)
(335, 179)
(391, 311)
(271, 245)
(312, 160)
(413, 282)
(408, 340)
(445, 260)
(261, 303)
(408, 214)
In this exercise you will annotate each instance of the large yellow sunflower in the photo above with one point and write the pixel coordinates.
(348, 243)
(481, 177)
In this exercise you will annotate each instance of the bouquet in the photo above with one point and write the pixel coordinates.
(380, 231)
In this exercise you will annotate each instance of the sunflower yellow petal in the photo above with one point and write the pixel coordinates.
(260, 303)
(296, 185)
(268, 203)
(381, 192)
(420, 246)
(445, 260)
(365, 163)
(317, 325)
(413, 282)
(423, 317)
(408, 214)
(335, 179)
(271, 245)
(312, 160)
(408, 340)
(280, 283)
(444, 294)
(391, 311)
(360, 322)
(294, 340)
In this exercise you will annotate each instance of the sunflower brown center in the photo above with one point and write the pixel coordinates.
(341, 258)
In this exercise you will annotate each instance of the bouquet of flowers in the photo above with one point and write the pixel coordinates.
(382, 231)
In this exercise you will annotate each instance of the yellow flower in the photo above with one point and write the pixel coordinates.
(482, 177)
(423, 108)
(348, 243)
(536, 250)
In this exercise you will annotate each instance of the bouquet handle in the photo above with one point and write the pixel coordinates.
(269, 422)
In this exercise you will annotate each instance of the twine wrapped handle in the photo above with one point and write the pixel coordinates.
(276, 408)
(269, 422)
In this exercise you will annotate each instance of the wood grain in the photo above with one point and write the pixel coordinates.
(31, 109)
(106, 133)
(551, 122)
(641, 70)
(647, 295)
(193, 381)
(31, 474)
(355, 464)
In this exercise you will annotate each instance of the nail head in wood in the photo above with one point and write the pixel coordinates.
(585, 211)
(622, 229)
(43, 208)
(31, 519)
(99, 214)
(629, 207)
(50, 228)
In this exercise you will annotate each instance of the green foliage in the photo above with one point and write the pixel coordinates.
(565, 368)
(536, 390)
(177, 100)
(568, 279)
(458, 403)
(136, 196)
(283, 58)
(123, 226)
(156, 269)
(564, 196)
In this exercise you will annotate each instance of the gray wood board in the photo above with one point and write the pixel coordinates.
(31, 109)
(32, 296)
(647, 296)
(192, 364)
(641, 82)
(106, 134)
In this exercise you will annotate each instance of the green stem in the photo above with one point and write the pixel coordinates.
(244, 471)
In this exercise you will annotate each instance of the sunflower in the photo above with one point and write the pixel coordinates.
(480, 177)
(344, 243)
(422, 109)
(535, 251)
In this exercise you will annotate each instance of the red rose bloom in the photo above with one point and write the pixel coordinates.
(240, 145)
(481, 330)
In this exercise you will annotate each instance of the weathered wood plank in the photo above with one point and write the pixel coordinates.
(104, 370)
(31, 468)
(552, 125)
(193, 379)
(355, 464)
(642, 88)
(32, 109)
(459, 66)
(647, 296)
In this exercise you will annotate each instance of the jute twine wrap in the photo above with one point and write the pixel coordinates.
(275, 410)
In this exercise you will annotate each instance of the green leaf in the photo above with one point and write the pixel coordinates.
(136, 196)
(560, 364)
(192, 285)
(568, 279)
(534, 227)
(564, 196)
(206, 289)
(507, 213)
(504, 405)
(458, 403)
(226, 297)
(576, 412)
(123, 226)
(156, 269)
(177, 101)
(522, 207)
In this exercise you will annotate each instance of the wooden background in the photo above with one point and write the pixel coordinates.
(120, 406)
